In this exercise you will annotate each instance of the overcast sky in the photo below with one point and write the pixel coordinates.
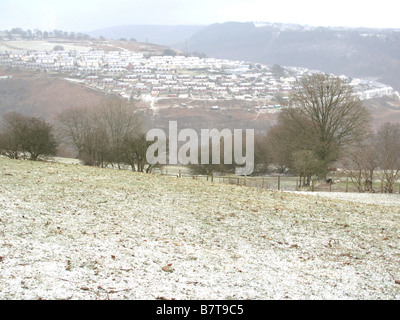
(88, 15)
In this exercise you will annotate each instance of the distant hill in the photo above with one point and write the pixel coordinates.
(366, 53)
(385, 109)
(157, 34)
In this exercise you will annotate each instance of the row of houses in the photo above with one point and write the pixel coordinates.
(367, 89)
(156, 75)
(121, 60)
(133, 73)
(160, 84)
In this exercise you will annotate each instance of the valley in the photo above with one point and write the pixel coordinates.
(197, 92)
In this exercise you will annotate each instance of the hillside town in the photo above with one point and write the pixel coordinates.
(139, 75)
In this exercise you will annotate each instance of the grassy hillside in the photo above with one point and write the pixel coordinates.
(75, 232)
(43, 95)
(385, 109)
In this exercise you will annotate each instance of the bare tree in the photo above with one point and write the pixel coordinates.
(134, 153)
(118, 121)
(101, 135)
(75, 129)
(305, 165)
(11, 135)
(285, 143)
(388, 154)
(360, 162)
(262, 154)
(38, 139)
(326, 115)
(23, 136)
(378, 156)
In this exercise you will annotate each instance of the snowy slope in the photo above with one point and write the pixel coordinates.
(74, 232)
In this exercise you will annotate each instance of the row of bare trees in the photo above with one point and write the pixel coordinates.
(108, 135)
(376, 158)
(38, 34)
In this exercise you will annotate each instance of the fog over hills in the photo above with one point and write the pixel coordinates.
(364, 53)
(167, 35)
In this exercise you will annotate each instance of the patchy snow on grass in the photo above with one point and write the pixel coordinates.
(368, 198)
(75, 232)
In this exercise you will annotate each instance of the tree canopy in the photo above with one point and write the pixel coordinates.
(23, 136)
(323, 116)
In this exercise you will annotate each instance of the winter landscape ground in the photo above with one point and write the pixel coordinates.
(73, 232)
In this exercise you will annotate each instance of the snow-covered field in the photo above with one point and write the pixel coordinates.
(368, 198)
(74, 232)
(39, 45)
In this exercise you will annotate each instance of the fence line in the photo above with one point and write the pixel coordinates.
(281, 183)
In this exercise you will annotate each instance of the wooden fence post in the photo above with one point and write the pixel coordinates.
(212, 176)
(347, 184)
(263, 183)
(180, 173)
(312, 185)
(279, 183)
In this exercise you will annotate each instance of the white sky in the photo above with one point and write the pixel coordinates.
(88, 15)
